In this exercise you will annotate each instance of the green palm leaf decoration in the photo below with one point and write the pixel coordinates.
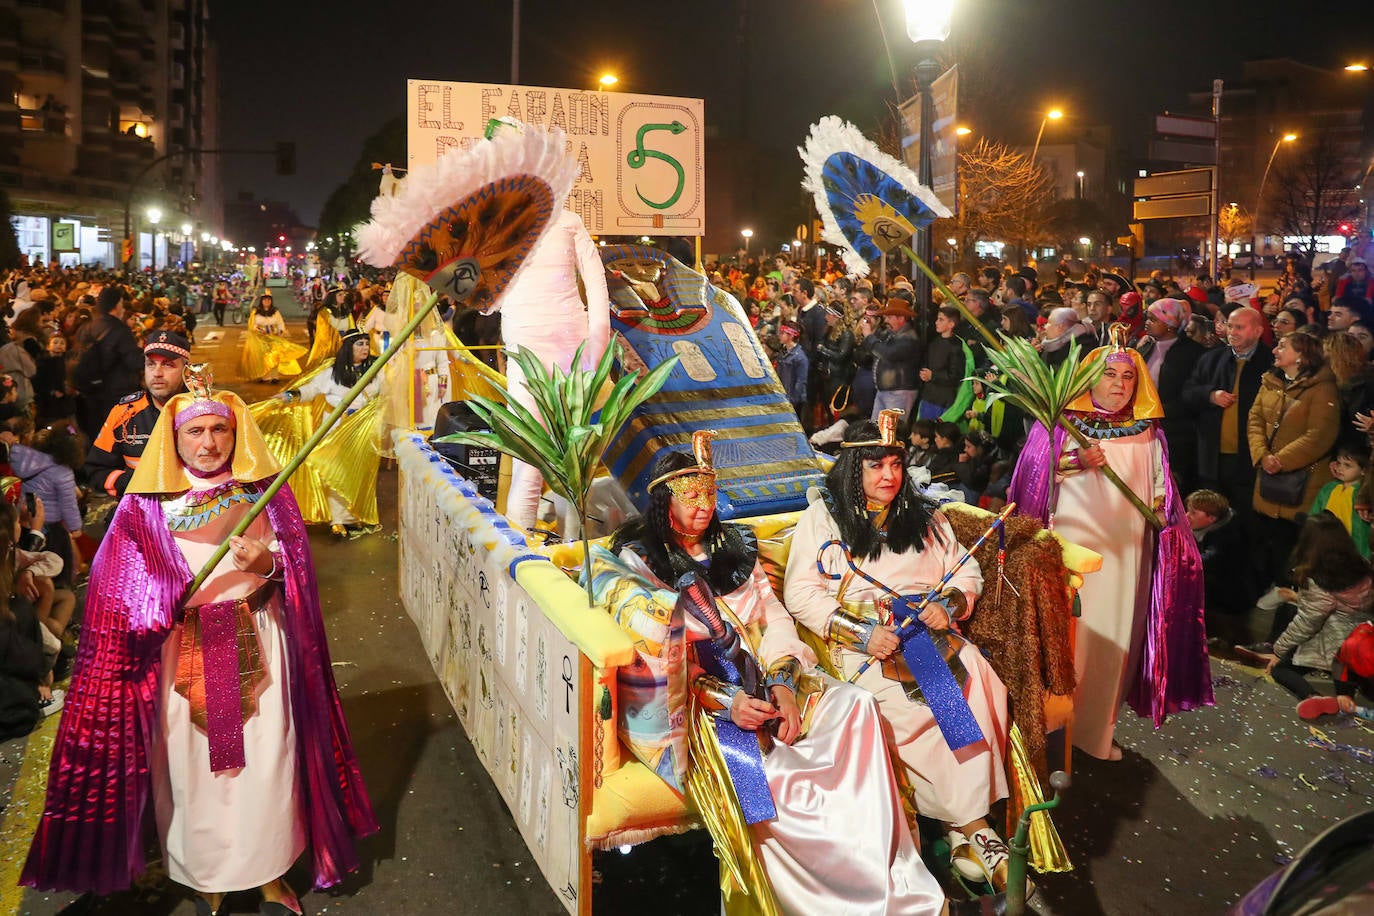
(1045, 393)
(569, 442)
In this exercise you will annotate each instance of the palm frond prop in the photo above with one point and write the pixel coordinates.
(871, 204)
(576, 426)
(1028, 383)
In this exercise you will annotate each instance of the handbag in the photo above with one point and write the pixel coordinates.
(1286, 488)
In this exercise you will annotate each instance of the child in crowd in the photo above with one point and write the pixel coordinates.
(921, 448)
(949, 445)
(975, 465)
(1224, 564)
(1339, 497)
(1335, 596)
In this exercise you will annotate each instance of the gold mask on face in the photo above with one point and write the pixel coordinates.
(695, 490)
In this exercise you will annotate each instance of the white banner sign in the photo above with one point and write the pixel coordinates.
(642, 156)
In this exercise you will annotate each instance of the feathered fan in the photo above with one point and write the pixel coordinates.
(464, 225)
(868, 201)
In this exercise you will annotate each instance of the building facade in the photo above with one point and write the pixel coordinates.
(92, 94)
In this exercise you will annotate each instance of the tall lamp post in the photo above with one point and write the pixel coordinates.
(154, 216)
(927, 25)
(748, 234)
(1259, 198)
(1054, 114)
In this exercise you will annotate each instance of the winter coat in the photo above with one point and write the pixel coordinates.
(792, 371)
(1216, 371)
(1304, 436)
(897, 357)
(945, 360)
(1323, 622)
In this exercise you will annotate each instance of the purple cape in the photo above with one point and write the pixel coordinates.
(90, 837)
(1174, 673)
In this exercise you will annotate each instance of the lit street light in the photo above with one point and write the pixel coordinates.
(1259, 198)
(748, 234)
(927, 25)
(1357, 68)
(154, 215)
(1054, 114)
(963, 131)
(607, 80)
(1080, 183)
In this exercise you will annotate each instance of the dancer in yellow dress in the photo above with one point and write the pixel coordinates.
(267, 354)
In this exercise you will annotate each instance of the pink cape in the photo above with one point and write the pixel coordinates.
(91, 835)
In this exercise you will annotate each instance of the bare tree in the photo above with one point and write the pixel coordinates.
(1316, 193)
(1002, 197)
(1233, 225)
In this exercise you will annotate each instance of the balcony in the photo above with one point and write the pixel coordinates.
(40, 62)
(50, 6)
(37, 120)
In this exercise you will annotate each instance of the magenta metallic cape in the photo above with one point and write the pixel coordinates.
(1174, 672)
(91, 834)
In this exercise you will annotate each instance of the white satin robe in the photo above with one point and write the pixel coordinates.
(956, 787)
(840, 843)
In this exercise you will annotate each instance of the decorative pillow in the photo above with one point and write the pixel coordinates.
(653, 689)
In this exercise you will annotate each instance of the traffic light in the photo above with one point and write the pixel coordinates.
(126, 251)
(286, 157)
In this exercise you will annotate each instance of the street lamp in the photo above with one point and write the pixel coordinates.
(748, 234)
(607, 80)
(1259, 198)
(1080, 183)
(927, 25)
(154, 215)
(1357, 68)
(1054, 114)
(962, 131)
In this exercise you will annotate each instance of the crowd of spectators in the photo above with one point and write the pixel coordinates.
(1261, 388)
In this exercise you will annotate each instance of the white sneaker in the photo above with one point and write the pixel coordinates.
(48, 707)
(963, 859)
(990, 848)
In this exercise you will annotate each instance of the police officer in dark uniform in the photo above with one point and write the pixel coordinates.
(115, 452)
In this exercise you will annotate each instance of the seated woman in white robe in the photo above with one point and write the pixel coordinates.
(900, 539)
(828, 835)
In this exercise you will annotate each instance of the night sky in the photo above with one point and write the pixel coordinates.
(327, 76)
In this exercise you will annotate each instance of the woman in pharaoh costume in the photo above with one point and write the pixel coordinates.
(1140, 638)
(819, 827)
(267, 355)
(898, 537)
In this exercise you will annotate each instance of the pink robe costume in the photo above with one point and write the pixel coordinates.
(543, 312)
(1141, 637)
(100, 781)
(957, 787)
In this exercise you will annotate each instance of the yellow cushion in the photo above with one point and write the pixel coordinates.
(633, 806)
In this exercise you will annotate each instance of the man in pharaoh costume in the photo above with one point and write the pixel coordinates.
(1140, 638)
(898, 538)
(721, 675)
(216, 709)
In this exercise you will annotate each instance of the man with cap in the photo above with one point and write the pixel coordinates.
(897, 356)
(1113, 285)
(115, 451)
(110, 361)
(212, 716)
(1220, 392)
(1170, 356)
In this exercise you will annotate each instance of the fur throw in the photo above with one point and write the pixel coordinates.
(1026, 638)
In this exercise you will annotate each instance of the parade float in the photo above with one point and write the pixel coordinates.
(533, 666)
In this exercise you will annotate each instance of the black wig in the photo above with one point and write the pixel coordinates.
(345, 372)
(909, 517)
(732, 548)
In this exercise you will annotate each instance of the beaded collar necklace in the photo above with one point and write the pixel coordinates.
(197, 508)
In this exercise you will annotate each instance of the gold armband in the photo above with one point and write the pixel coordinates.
(850, 630)
(958, 603)
(786, 672)
(715, 694)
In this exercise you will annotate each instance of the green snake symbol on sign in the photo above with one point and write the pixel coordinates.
(639, 156)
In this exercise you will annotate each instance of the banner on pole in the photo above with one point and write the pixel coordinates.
(944, 149)
(642, 156)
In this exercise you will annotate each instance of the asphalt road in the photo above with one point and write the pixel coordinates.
(1193, 816)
